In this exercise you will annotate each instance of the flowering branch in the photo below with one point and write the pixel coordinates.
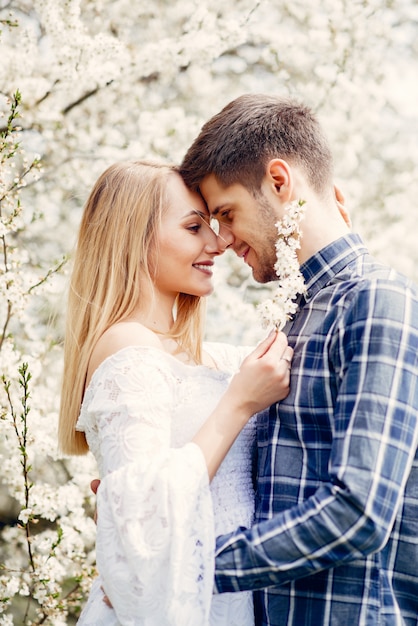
(22, 437)
(43, 570)
(53, 270)
(280, 308)
(11, 181)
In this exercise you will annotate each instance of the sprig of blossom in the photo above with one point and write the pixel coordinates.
(280, 308)
(47, 546)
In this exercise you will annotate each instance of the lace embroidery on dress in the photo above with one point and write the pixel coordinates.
(156, 512)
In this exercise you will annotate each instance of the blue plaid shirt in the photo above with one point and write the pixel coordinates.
(336, 535)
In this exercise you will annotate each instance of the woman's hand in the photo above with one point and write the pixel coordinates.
(264, 376)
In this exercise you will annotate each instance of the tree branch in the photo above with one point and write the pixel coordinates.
(83, 98)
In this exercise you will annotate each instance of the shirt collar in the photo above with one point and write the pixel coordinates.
(320, 268)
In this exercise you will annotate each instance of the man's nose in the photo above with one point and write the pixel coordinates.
(225, 237)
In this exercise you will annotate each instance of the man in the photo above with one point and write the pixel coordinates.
(335, 539)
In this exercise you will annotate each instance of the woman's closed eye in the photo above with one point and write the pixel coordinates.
(210, 222)
(194, 228)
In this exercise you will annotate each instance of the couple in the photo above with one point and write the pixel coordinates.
(334, 535)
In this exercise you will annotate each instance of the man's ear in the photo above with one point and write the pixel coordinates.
(279, 174)
(340, 200)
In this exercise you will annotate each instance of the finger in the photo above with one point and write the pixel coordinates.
(108, 602)
(264, 345)
(106, 599)
(277, 348)
(276, 340)
(94, 485)
(287, 355)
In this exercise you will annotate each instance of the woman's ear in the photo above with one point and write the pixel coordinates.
(340, 200)
(279, 174)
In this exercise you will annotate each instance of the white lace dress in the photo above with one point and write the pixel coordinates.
(158, 517)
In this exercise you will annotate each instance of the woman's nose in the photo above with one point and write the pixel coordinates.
(212, 242)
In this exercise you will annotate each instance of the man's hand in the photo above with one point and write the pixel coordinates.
(94, 485)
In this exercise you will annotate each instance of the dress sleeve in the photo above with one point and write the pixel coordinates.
(227, 357)
(155, 531)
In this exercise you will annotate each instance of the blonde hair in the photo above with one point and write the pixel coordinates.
(115, 242)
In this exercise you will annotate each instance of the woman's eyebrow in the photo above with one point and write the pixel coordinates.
(204, 216)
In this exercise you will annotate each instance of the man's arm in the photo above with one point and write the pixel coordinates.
(374, 443)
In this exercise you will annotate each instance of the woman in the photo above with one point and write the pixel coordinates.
(159, 410)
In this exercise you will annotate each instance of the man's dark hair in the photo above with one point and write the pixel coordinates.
(237, 143)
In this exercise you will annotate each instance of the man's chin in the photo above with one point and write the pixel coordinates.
(263, 276)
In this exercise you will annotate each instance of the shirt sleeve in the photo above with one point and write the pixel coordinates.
(155, 533)
(375, 433)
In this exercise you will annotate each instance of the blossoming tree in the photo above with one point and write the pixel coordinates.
(84, 83)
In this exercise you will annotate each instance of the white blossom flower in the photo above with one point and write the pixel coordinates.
(25, 515)
(280, 308)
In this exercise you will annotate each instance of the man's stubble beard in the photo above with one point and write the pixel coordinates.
(266, 256)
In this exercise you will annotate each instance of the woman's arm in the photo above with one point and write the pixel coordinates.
(263, 379)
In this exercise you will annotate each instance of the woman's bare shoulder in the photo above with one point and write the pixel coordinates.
(119, 336)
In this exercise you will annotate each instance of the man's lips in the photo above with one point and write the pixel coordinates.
(244, 255)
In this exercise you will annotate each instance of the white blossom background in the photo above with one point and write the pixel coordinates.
(106, 80)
